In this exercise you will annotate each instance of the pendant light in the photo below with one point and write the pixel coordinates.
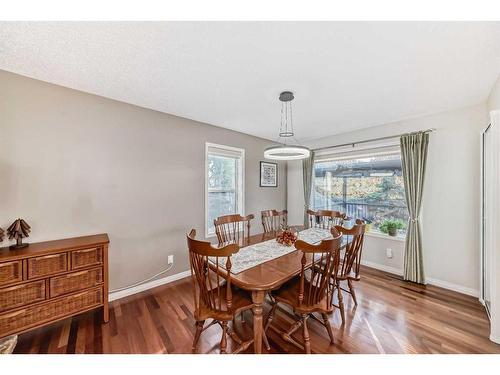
(286, 151)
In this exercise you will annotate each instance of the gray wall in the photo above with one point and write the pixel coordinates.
(75, 164)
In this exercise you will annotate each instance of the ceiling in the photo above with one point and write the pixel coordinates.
(345, 75)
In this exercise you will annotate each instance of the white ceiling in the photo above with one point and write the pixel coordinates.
(345, 75)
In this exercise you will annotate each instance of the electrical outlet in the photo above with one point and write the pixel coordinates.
(170, 259)
(388, 252)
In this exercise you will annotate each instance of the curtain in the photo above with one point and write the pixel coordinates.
(413, 159)
(307, 174)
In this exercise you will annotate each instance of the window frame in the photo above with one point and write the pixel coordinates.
(240, 179)
(358, 154)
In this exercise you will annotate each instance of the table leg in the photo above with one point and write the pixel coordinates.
(105, 312)
(258, 300)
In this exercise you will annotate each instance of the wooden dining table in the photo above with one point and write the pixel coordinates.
(265, 277)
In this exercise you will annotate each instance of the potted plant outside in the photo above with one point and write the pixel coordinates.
(391, 226)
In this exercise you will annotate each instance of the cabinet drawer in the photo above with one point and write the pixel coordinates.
(86, 257)
(75, 281)
(47, 265)
(28, 317)
(21, 295)
(11, 272)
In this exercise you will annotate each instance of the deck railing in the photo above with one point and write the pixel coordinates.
(377, 212)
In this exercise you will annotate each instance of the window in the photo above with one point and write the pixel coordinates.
(223, 183)
(367, 186)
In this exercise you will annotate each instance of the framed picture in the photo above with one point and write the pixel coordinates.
(268, 174)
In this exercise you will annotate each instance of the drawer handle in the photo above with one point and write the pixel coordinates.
(9, 264)
(48, 257)
(86, 250)
(78, 295)
(69, 275)
(14, 314)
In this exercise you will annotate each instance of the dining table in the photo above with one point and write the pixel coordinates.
(257, 272)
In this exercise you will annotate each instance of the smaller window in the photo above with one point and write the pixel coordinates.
(224, 174)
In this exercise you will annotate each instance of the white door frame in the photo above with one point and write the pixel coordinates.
(481, 221)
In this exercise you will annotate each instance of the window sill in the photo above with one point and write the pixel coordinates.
(377, 234)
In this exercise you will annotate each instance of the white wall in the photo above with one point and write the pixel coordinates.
(450, 213)
(494, 98)
(75, 164)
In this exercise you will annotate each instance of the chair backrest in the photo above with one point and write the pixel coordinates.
(273, 220)
(354, 248)
(325, 219)
(233, 228)
(316, 281)
(206, 263)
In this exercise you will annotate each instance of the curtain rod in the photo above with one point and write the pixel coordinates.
(373, 140)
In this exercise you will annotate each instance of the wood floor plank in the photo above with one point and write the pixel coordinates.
(392, 316)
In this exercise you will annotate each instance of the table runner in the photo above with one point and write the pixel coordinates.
(253, 255)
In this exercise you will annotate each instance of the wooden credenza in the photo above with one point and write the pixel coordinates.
(49, 281)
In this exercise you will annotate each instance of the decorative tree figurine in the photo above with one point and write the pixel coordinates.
(1, 234)
(18, 230)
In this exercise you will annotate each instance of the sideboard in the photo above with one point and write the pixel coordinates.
(53, 280)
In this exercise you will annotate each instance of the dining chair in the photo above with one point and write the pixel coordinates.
(213, 298)
(273, 220)
(233, 228)
(350, 264)
(325, 218)
(311, 292)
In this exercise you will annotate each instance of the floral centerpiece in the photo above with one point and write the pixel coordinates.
(287, 236)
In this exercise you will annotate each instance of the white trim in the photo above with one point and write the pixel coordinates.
(382, 267)
(452, 286)
(152, 284)
(495, 339)
(481, 215)
(241, 180)
(371, 233)
(428, 280)
(397, 271)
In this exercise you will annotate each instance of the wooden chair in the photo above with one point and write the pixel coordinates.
(213, 298)
(311, 292)
(350, 263)
(325, 218)
(273, 220)
(233, 228)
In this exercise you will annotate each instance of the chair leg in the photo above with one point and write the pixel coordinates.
(341, 302)
(328, 326)
(268, 323)
(266, 341)
(288, 335)
(351, 290)
(305, 334)
(223, 341)
(199, 329)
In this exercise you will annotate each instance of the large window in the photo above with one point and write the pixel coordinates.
(224, 183)
(366, 186)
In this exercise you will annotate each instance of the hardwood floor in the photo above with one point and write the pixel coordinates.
(392, 317)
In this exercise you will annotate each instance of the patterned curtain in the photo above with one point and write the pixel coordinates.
(307, 178)
(414, 160)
